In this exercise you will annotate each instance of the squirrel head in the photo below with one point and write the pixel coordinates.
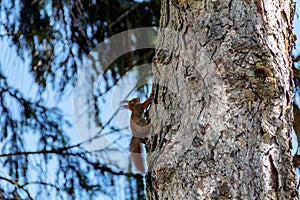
(130, 104)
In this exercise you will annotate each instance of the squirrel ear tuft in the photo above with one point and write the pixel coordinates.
(138, 100)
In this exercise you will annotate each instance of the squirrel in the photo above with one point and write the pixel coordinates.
(140, 128)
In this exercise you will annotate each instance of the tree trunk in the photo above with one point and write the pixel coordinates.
(222, 116)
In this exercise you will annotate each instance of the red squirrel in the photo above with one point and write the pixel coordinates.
(140, 128)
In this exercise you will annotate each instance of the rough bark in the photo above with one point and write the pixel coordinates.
(223, 101)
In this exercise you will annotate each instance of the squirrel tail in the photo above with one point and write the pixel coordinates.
(136, 154)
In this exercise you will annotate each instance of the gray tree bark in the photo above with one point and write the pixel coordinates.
(222, 116)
